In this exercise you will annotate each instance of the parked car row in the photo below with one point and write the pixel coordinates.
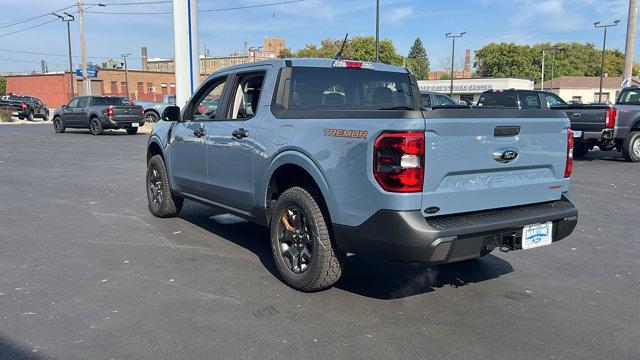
(24, 107)
(607, 126)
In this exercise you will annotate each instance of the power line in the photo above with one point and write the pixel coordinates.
(28, 28)
(200, 11)
(17, 22)
(61, 55)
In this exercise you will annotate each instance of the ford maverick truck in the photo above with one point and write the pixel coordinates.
(337, 157)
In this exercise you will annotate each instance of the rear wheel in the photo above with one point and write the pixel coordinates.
(58, 126)
(631, 147)
(301, 244)
(161, 202)
(132, 131)
(151, 116)
(96, 126)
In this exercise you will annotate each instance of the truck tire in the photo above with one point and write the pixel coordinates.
(95, 126)
(151, 116)
(161, 202)
(58, 125)
(580, 150)
(631, 147)
(132, 131)
(304, 254)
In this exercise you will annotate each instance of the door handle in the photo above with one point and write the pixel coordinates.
(240, 133)
(199, 132)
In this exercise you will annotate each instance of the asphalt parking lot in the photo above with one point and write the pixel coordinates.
(87, 272)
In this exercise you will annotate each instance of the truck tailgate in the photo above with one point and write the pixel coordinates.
(127, 113)
(465, 169)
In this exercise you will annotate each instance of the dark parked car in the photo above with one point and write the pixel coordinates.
(25, 107)
(98, 113)
(431, 99)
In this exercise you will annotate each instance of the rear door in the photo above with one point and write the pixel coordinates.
(231, 140)
(81, 115)
(478, 159)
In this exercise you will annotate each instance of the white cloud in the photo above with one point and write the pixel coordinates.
(398, 14)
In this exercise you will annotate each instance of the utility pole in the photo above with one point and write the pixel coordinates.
(604, 48)
(542, 79)
(377, 30)
(629, 49)
(126, 72)
(83, 49)
(453, 56)
(68, 18)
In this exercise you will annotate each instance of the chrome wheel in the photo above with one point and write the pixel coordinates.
(57, 125)
(636, 148)
(295, 240)
(150, 117)
(155, 187)
(95, 126)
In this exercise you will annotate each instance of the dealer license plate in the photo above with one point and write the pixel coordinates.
(134, 124)
(537, 235)
(577, 134)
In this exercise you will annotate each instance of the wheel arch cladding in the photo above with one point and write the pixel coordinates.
(636, 125)
(291, 169)
(154, 149)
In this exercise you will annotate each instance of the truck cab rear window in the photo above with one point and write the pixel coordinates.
(99, 100)
(630, 97)
(319, 89)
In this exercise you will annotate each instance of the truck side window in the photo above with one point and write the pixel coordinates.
(529, 100)
(630, 97)
(206, 107)
(442, 100)
(73, 103)
(426, 100)
(553, 99)
(83, 102)
(245, 96)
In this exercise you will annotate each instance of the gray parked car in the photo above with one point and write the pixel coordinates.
(337, 157)
(430, 100)
(98, 113)
(153, 110)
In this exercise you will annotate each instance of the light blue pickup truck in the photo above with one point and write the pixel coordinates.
(339, 157)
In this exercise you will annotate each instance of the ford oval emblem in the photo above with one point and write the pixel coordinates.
(505, 156)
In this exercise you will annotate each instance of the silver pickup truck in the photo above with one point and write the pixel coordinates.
(153, 110)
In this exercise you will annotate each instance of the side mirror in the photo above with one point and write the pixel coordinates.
(171, 113)
(64, 106)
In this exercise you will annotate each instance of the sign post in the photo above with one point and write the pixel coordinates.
(186, 46)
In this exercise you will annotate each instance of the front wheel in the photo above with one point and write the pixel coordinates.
(151, 117)
(132, 131)
(304, 254)
(161, 202)
(631, 147)
(96, 126)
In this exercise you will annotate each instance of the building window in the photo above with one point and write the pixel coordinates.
(222, 63)
(114, 87)
(605, 97)
(576, 98)
(123, 86)
(163, 86)
(150, 88)
(140, 87)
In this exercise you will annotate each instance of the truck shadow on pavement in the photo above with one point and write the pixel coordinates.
(9, 350)
(365, 276)
(602, 155)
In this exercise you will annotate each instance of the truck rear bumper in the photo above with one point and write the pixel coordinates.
(408, 237)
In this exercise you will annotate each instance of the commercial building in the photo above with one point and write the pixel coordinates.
(585, 89)
(469, 90)
(271, 49)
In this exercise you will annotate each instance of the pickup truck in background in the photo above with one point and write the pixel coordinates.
(618, 128)
(592, 124)
(98, 113)
(24, 107)
(153, 110)
(337, 157)
(432, 100)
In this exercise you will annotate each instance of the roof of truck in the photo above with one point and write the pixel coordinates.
(314, 62)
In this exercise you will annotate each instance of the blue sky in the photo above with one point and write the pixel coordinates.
(519, 21)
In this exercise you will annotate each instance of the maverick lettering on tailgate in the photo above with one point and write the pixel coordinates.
(355, 134)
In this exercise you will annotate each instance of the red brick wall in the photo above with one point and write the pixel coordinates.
(52, 89)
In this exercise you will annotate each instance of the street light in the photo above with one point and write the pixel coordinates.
(377, 30)
(68, 18)
(453, 54)
(553, 64)
(126, 72)
(604, 46)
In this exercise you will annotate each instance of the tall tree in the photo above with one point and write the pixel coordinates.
(3, 85)
(362, 48)
(417, 60)
(569, 59)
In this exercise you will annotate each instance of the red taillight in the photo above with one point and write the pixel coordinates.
(350, 64)
(610, 118)
(23, 106)
(398, 161)
(142, 112)
(109, 111)
(570, 142)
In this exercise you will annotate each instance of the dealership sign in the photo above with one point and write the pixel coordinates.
(464, 88)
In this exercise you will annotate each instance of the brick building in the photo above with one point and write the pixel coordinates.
(54, 89)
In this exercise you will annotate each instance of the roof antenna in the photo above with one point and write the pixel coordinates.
(339, 54)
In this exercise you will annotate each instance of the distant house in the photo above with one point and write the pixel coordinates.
(585, 89)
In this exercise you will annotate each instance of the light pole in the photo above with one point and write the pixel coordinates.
(68, 18)
(126, 72)
(604, 48)
(377, 30)
(542, 78)
(255, 49)
(453, 55)
(553, 64)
